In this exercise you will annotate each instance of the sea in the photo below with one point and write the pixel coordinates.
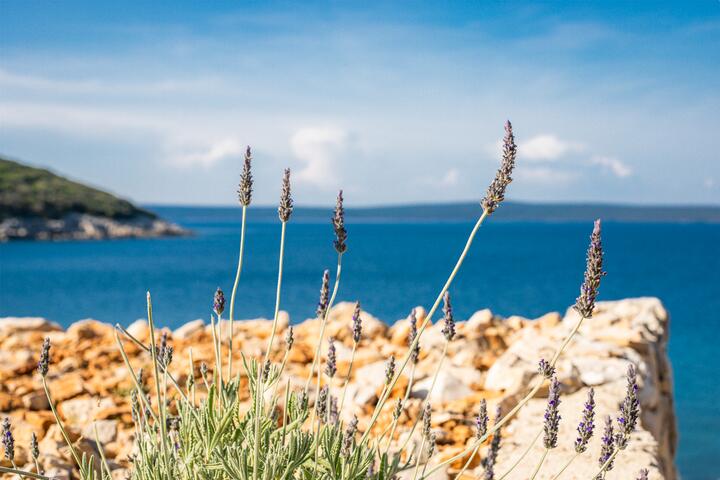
(397, 259)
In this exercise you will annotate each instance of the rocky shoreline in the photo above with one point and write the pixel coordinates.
(492, 358)
(79, 226)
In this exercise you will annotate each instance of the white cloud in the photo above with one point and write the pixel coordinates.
(546, 147)
(320, 148)
(208, 155)
(613, 165)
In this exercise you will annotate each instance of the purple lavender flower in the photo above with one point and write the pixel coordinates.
(390, 370)
(44, 362)
(331, 367)
(219, 302)
(321, 403)
(8, 440)
(496, 191)
(324, 292)
(607, 444)
(643, 474)
(552, 416)
(481, 421)
(338, 221)
(585, 303)
(397, 411)
(449, 328)
(246, 181)
(545, 369)
(356, 324)
(289, 338)
(432, 444)
(629, 410)
(266, 370)
(34, 448)
(286, 203)
(349, 437)
(587, 423)
(164, 352)
(135, 406)
(414, 349)
(489, 461)
(427, 420)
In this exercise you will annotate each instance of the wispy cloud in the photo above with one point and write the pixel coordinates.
(546, 147)
(612, 165)
(320, 149)
(209, 155)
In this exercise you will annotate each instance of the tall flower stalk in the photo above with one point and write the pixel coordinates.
(496, 193)
(325, 304)
(245, 188)
(284, 211)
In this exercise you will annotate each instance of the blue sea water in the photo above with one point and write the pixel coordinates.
(513, 268)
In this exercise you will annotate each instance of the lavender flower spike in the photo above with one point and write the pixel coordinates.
(331, 367)
(338, 221)
(491, 458)
(289, 338)
(390, 370)
(34, 448)
(587, 423)
(8, 440)
(552, 416)
(545, 369)
(349, 436)
(629, 410)
(219, 302)
(585, 303)
(607, 445)
(397, 411)
(415, 352)
(481, 421)
(427, 420)
(432, 443)
(496, 191)
(356, 324)
(44, 362)
(449, 328)
(321, 403)
(246, 181)
(324, 292)
(286, 203)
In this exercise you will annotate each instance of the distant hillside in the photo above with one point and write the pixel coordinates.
(34, 192)
(36, 204)
(462, 212)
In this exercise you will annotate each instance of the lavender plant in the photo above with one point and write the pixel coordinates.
(204, 430)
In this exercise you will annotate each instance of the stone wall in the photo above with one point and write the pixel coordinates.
(491, 358)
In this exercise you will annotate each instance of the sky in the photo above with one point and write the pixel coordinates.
(394, 102)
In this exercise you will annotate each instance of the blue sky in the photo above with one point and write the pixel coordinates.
(395, 102)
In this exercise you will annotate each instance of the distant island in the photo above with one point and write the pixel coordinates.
(36, 204)
(512, 211)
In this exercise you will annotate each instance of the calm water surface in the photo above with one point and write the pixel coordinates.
(513, 268)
